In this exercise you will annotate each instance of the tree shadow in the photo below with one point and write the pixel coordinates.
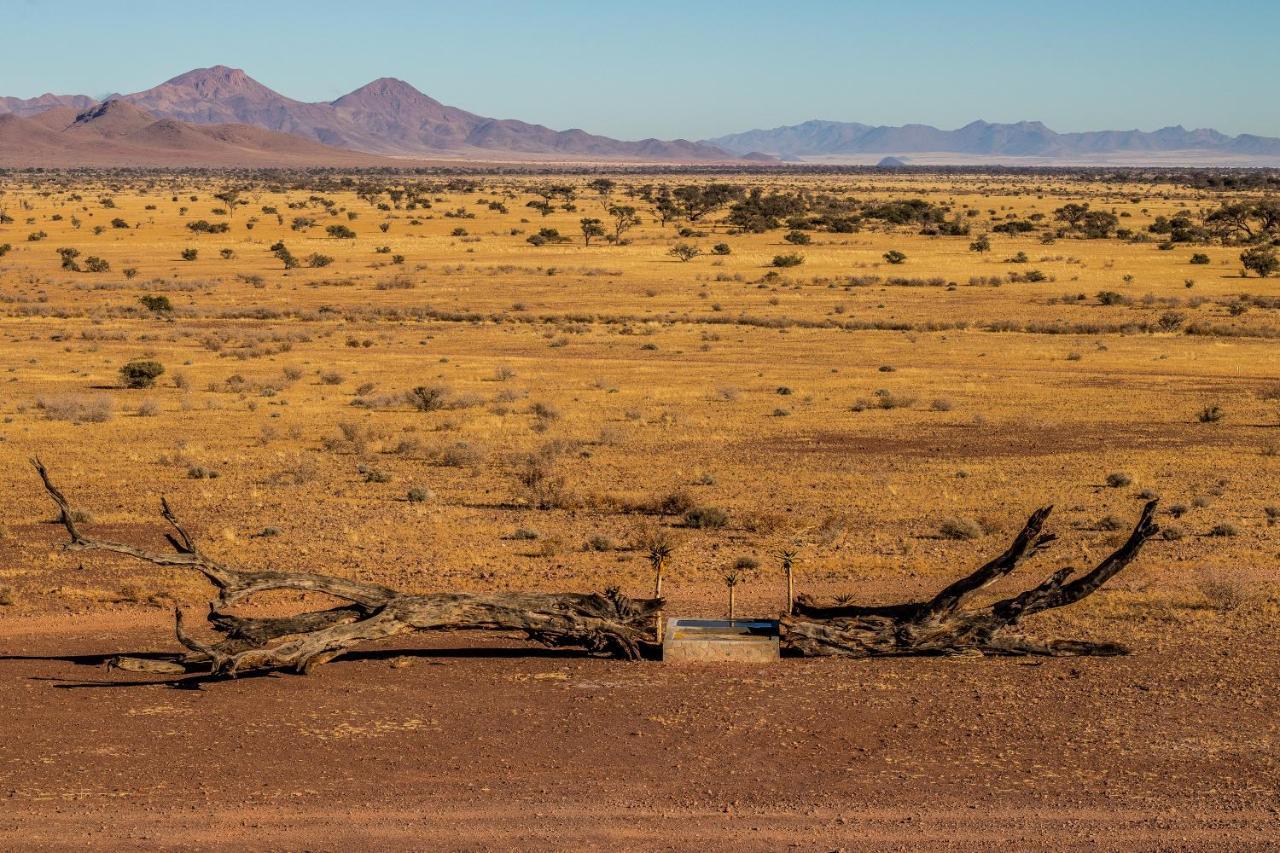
(196, 679)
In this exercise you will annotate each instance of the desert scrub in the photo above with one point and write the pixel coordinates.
(959, 528)
(706, 518)
(141, 374)
(78, 408)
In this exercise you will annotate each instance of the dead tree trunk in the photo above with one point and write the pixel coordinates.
(608, 623)
(940, 627)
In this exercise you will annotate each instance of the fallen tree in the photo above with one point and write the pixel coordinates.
(606, 623)
(941, 626)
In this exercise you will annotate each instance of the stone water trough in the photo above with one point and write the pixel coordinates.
(741, 640)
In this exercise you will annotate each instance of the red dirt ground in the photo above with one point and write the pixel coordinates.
(458, 742)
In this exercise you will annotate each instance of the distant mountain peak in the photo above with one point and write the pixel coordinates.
(218, 81)
(387, 89)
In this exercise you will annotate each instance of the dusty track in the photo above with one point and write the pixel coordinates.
(495, 746)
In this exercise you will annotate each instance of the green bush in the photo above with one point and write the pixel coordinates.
(141, 374)
(156, 302)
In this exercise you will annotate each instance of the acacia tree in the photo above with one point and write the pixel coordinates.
(624, 219)
(695, 201)
(684, 252)
(590, 228)
(229, 197)
(1261, 260)
(603, 187)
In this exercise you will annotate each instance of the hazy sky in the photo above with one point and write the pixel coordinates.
(696, 68)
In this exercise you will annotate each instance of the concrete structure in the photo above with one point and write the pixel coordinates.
(741, 640)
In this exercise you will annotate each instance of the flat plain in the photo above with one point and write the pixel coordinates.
(894, 422)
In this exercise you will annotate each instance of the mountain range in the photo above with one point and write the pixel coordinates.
(222, 116)
(117, 133)
(387, 117)
(1012, 142)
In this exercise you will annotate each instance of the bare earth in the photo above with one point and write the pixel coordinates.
(478, 745)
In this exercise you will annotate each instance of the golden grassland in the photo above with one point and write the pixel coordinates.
(846, 404)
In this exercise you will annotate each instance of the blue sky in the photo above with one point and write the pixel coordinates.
(697, 68)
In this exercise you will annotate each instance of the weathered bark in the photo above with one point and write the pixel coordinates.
(940, 627)
(604, 623)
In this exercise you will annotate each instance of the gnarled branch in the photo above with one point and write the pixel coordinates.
(941, 626)
(603, 623)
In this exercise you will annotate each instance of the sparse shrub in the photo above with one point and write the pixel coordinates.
(706, 518)
(784, 261)
(1224, 528)
(77, 408)
(1118, 480)
(141, 373)
(959, 528)
(1223, 594)
(893, 256)
(428, 398)
(156, 302)
(1210, 414)
(543, 486)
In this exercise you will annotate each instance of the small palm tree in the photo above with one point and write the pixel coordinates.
(658, 546)
(731, 581)
(788, 557)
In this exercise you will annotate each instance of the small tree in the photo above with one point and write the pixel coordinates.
(141, 374)
(624, 219)
(980, 245)
(1261, 260)
(603, 188)
(684, 251)
(230, 198)
(340, 232)
(893, 256)
(591, 228)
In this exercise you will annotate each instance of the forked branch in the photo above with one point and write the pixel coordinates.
(608, 623)
(941, 626)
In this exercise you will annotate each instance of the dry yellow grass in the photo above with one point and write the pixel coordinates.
(633, 376)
